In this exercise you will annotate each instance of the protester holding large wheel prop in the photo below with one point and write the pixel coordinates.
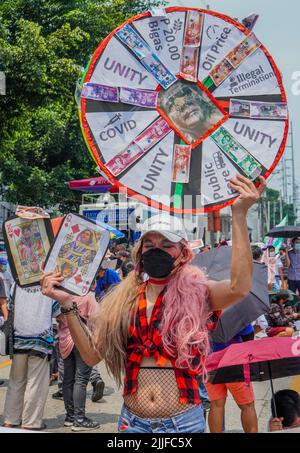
(155, 332)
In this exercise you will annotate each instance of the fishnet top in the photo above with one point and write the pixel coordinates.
(146, 341)
(158, 395)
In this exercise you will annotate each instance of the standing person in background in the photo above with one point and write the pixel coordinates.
(76, 372)
(30, 370)
(279, 281)
(104, 280)
(260, 324)
(5, 275)
(293, 264)
(241, 392)
(270, 260)
(285, 271)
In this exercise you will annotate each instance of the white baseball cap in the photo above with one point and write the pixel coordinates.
(168, 226)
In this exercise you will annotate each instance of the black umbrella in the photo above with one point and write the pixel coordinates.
(284, 232)
(235, 318)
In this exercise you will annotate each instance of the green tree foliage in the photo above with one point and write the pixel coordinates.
(273, 196)
(44, 45)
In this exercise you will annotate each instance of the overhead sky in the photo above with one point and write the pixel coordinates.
(278, 28)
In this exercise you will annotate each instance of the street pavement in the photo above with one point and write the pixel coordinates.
(106, 411)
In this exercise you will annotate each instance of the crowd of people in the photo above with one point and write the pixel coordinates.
(149, 315)
(43, 351)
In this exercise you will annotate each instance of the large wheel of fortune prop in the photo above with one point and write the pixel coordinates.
(177, 101)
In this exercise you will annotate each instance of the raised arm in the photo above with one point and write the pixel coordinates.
(227, 292)
(50, 287)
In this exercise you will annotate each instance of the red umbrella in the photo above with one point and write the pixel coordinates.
(257, 360)
(95, 185)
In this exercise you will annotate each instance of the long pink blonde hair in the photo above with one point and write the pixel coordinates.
(184, 321)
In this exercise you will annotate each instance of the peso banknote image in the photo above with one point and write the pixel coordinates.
(181, 164)
(99, 92)
(241, 108)
(142, 144)
(237, 153)
(153, 134)
(124, 159)
(258, 110)
(189, 63)
(221, 71)
(141, 98)
(269, 110)
(159, 71)
(134, 41)
(193, 29)
(243, 50)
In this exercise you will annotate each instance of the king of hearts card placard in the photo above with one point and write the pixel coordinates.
(27, 244)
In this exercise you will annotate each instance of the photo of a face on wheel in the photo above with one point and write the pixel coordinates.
(190, 109)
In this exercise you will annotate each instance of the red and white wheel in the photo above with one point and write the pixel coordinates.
(206, 101)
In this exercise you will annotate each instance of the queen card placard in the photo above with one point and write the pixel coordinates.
(77, 253)
(27, 243)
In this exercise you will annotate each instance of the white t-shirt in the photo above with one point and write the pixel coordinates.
(278, 265)
(33, 311)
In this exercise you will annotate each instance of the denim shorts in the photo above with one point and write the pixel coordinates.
(191, 421)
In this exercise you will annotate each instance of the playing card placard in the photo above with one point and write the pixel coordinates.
(27, 243)
(77, 253)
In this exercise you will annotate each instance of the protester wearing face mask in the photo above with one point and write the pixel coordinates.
(153, 327)
(293, 264)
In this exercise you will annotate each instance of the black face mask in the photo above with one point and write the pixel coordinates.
(157, 263)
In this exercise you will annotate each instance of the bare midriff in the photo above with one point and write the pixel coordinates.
(157, 395)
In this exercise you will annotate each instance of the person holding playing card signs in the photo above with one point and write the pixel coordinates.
(153, 327)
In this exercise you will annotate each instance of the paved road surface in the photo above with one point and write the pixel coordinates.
(106, 411)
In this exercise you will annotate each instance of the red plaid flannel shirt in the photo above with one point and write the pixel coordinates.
(146, 341)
